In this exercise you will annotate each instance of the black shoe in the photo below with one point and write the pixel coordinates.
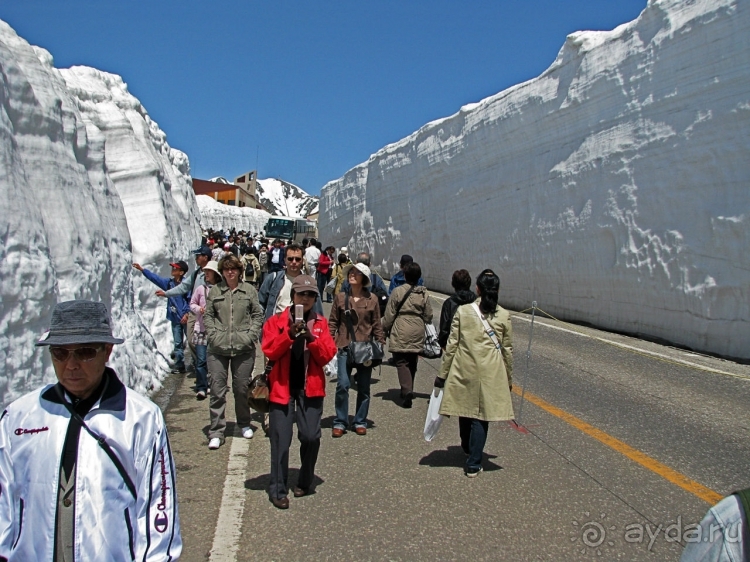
(175, 369)
(299, 492)
(280, 503)
(406, 401)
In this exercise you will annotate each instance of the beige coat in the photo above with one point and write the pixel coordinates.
(477, 378)
(407, 329)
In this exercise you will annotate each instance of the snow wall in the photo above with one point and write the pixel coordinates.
(218, 216)
(613, 189)
(88, 185)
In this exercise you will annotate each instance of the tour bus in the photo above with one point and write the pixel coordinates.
(290, 228)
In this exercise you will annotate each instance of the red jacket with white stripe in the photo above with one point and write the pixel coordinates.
(277, 346)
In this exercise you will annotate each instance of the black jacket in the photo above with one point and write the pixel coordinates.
(449, 310)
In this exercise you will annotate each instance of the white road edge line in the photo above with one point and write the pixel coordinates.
(228, 524)
(638, 349)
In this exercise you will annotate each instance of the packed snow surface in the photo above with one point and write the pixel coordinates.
(225, 217)
(88, 186)
(612, 189)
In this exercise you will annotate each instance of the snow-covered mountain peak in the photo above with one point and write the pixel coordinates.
(280, 197)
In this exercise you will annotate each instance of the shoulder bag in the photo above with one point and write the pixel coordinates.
(258, 391)
(491, 333)
(398, 308)
(367, 353)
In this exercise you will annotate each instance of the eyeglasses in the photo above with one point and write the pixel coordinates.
(292, 258)
(82, 354)
(307, 294)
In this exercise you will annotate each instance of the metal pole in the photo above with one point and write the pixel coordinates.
(528, 359)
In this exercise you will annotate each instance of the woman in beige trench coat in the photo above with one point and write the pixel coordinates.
(476, 375)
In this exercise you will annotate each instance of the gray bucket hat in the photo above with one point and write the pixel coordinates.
(75, 322)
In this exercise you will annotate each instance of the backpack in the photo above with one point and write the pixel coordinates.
(381, 294)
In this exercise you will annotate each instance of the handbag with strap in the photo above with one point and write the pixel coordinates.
(398, 308)
(367, 353)
(431, 348)
(258, 391)
(491, 333)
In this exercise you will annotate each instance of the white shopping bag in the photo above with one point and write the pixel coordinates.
(332, 368)
(434, 419)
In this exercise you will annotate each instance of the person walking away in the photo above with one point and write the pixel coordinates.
(200, 338)
(359, 307)
(398, 279)
(461, 283)
(178, 308)
(251, 268)
(477, 369)
(233, 320)
(299, 349)
(86, 470)
(325, 265)
(312, 255)
(406, 314)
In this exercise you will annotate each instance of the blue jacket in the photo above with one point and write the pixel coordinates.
(398, 280)
(269, 293)
(177, 306)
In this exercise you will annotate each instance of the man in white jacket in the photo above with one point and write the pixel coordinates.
(86, 470)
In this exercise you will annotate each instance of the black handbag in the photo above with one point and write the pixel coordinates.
(258, 391)
(366, 353)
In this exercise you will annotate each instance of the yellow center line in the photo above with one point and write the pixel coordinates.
(699, 490)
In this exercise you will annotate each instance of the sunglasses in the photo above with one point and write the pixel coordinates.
(308, 294)
(293, 259)
(82, 354)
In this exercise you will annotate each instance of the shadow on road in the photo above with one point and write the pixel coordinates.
(453, 456)
(261, 483)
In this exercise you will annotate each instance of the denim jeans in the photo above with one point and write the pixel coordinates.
(178, 332)
(343, 384)
(201, 370)
(473, 437)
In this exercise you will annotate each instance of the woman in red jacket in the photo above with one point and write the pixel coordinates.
(299, 349)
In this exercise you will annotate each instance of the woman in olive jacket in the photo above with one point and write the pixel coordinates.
(476, 375)
(363, 310)
(406, 328)
(233, 320)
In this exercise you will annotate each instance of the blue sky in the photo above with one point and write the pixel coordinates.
(306, 89)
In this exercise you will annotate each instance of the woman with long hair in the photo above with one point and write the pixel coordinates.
(477, 369)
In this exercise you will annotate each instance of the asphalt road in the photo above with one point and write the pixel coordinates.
(620, 441)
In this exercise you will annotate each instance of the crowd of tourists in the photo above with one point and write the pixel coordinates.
(248, 290)
(83, 456)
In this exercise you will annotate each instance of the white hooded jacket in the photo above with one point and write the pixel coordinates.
(110, 524)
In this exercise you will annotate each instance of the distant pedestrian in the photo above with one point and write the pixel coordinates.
(263, 262)
(338, 272)
(312, 256)
(477, 369)
(406, 314)
(325, 266)
(461, 283)
(251, 271)
(276, 257)
(398, 279)
(178, 308)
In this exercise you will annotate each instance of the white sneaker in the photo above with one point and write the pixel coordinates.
(214, 443)
(247, 433)
(201, 395)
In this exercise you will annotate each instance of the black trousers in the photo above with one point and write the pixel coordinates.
(307, 413)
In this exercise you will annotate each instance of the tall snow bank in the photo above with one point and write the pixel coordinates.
(612, 189)
(88, 185)
(218, 216)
